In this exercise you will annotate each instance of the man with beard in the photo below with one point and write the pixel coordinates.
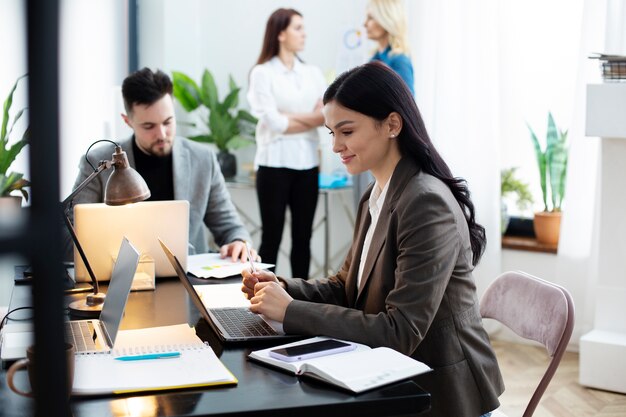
(175, 168)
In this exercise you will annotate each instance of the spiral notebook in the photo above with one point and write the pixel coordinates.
(195, 364)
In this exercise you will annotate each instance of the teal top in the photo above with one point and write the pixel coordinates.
(400, 63)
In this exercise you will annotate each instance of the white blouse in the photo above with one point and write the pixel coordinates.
(274, 90)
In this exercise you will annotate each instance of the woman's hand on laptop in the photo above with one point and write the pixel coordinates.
(251, 279)
(270, 299)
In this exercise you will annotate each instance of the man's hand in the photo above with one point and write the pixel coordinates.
(237, 252)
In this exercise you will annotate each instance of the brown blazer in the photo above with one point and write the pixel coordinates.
(417, 294)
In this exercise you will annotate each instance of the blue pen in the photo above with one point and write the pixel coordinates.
(164, 355)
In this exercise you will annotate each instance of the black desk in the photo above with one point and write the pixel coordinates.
(261, 391)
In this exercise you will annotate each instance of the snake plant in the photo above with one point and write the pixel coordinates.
(552, 163)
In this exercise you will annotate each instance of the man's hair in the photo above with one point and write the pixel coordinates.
(145, 87)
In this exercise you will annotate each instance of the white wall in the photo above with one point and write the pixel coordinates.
(93, 59)
(191, 35)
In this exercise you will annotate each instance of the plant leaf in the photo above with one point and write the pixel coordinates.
(7, 157)
(203, 138)
(186, 91)
(233, 86)
(15, 120)
(220, 129)
(238, 141)
(541, 164)
(12, 182)
(208, 93)
(231, 100)
(244, 115)
(5, 113)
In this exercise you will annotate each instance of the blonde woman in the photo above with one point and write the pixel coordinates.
(386, 24)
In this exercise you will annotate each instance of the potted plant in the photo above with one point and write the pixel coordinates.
(552, 164)
(11, 181)
(513, 188)
(226, 126)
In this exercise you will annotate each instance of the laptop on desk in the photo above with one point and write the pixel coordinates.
(98, 335)
(232, 324)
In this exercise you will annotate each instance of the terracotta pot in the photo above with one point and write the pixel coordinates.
(547, 227)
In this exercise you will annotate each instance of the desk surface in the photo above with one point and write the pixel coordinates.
(261, 391)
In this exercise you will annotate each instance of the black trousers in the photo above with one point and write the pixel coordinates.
(276, 189)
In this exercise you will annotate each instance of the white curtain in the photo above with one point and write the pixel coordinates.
(455, 55)
(474, 99)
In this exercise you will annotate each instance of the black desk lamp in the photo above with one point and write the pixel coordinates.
(124, 186)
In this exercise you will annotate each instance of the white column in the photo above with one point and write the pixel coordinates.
(603, 350)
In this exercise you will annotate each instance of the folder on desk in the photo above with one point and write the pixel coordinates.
(196, 366)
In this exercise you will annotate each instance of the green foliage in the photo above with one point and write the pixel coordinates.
(11, 181)
(227, 127)
(552, 164)
(509, 184)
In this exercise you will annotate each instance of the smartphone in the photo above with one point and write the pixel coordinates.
(311, 350)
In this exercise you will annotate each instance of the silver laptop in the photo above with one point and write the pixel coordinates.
(100, 228)
(98, 335)
(232, 324)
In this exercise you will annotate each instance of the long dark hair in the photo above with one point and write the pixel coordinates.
(277, 22)
(375, 90)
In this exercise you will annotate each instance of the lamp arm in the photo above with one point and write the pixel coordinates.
(66, 207)
(101, 167)
(81, 252)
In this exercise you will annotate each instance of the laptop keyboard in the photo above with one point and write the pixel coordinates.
(241, 322)
(81, 334)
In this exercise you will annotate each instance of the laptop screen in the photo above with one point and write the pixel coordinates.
(119, 288)
(195, 298)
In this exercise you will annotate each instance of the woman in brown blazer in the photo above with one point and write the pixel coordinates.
(407, 280)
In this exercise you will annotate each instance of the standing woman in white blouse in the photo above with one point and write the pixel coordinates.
(285, 95)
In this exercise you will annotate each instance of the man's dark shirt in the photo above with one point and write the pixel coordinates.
(158, 173)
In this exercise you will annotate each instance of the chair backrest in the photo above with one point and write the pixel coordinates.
(534, 309)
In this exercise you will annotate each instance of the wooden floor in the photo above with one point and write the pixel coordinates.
(523, 366)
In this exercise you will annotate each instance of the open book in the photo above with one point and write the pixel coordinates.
(357, 370)
(185, 362)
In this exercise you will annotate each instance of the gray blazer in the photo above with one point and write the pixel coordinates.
(197, 179)
(417, 294)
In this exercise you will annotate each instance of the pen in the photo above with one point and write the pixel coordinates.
(250, 257)
(164, 355)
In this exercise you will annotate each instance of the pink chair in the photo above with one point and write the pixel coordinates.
(534, 309)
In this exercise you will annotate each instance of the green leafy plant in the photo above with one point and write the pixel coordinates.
(227, 127)
(552, 163)
(511, 185)
(11, 181)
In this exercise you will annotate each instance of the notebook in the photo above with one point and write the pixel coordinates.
(100, 228)
(232, 324)
(191, 363)
(98, 335)
(357, 370)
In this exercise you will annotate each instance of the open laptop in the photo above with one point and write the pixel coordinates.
(232, 324)
(98, 335)
(100, 228)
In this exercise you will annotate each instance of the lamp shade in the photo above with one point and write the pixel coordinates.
(125, 185)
